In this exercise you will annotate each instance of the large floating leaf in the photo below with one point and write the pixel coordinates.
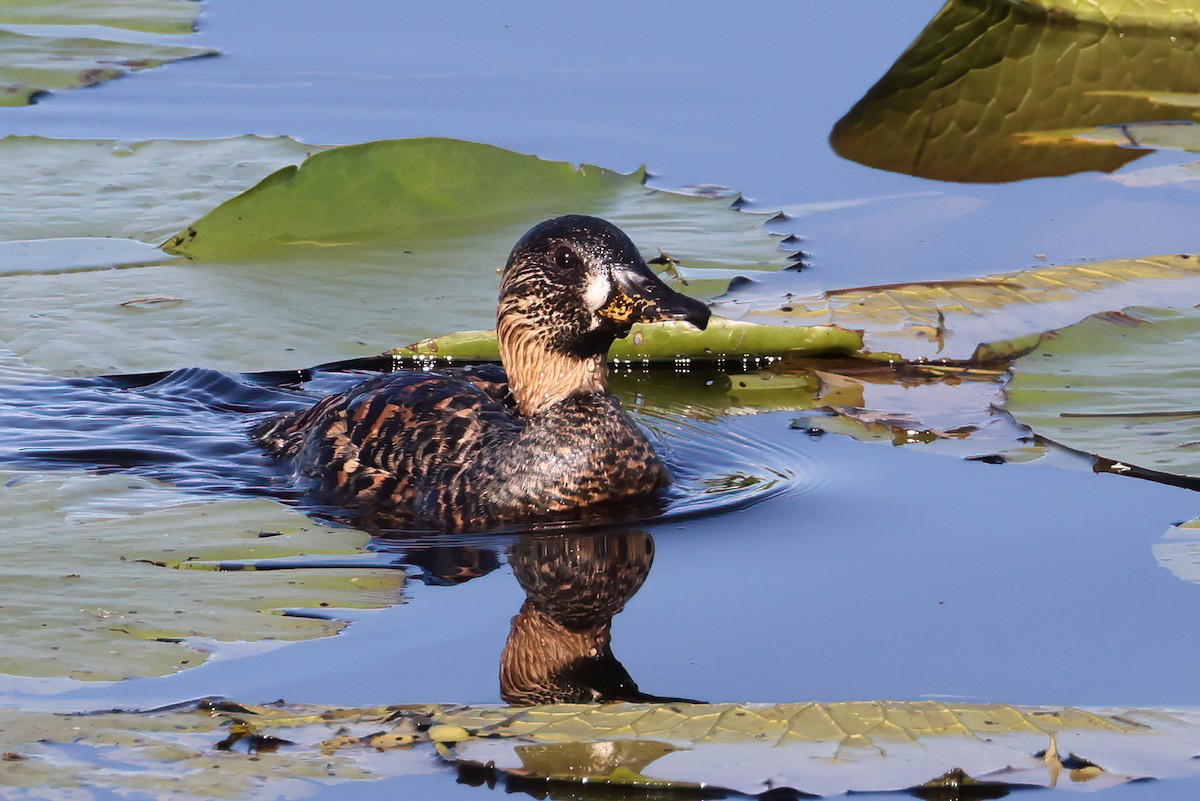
(75, 545)
(151, 16)
(824, 749)
(1122, 386)
(986, 71)
(33, 65)
(415, 193)
(952, 319)
(363, 248)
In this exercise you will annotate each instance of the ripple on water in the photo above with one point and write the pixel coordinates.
(190, 427)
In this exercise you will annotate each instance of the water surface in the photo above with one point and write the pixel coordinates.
(875, 571)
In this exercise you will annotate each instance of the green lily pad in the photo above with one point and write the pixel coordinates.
(957, 319)
(33, 65)
(956, 104)
(75, 544)
(409, 194)
(150, 16)
(364, 248)
(1121, 386)
(822, 749)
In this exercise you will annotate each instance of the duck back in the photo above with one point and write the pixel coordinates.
(449, 451)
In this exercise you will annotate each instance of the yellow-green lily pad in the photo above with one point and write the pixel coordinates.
(723, 341)
(820, 749)
(150, 16)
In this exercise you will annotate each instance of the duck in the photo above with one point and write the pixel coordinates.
(538, 439)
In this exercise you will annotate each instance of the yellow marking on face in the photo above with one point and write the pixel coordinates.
(621, 308)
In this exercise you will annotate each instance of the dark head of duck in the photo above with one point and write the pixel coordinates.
(571, 286)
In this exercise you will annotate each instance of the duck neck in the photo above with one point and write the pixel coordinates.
(539, 377)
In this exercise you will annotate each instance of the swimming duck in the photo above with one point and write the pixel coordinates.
(479, 448)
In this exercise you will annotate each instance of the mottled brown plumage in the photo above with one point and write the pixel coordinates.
(475, 448)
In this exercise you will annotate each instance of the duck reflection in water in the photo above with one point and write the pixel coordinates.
(559, 649)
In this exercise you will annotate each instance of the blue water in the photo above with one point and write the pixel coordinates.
(897, 572)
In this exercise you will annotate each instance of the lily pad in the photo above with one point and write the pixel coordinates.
(1180, 552)
(953, 319)
(150, 16)
(955, 105)
(33, 65)
(75, 544)
(70, 188)
(822, 749)
(1121, 386)
(363, 248)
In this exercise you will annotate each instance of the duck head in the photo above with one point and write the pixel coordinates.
(571, 286)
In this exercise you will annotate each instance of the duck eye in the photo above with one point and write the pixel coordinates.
(567, 259)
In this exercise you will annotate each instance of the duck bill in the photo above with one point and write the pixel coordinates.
(642, 297)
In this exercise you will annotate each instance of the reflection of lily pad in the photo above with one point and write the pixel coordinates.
(723, 340)
(87, 589)
(151, 16)
(982, 73)
(363, 248)
(1122, 14)
(823, 749)
(33, 65)
(1121, 386)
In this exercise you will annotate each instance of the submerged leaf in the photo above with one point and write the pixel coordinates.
(75, 544)
(954, 106)
(33, 65)
(1122, 387)
(150, 16)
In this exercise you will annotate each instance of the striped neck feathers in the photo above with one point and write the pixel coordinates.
(540, 374)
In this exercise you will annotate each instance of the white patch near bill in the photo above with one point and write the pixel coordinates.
(597, 292)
